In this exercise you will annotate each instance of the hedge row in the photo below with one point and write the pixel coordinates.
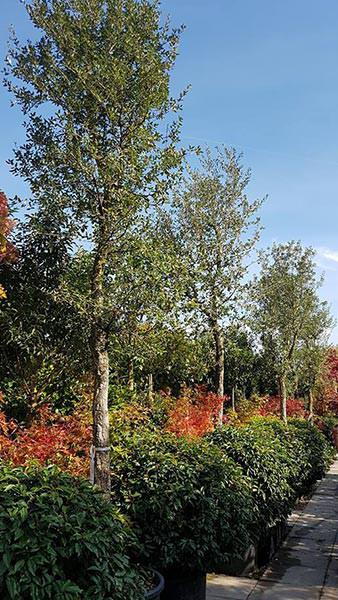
(198, 504)
(193, 505)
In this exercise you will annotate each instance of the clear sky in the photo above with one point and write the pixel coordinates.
(264, 78)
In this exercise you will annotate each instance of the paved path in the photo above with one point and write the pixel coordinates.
(306, 567)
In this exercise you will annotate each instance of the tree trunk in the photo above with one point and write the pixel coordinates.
(233, 405)
(283, 398)
(219, 366)
(131, 379)
(310, 405)
(100, 453)
(150, 387)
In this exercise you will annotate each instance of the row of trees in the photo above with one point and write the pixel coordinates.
(132, 265)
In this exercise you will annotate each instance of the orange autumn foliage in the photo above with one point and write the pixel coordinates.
(50, 439)
(195, 413)
(7, 250)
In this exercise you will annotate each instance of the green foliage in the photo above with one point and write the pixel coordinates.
(216, 228)
(266, 461)
(120, 395)
(304, 444)
(60, 540)
(287, 314)
(239, 360)
(44, 349)
(99, 154)
(189, 503)
(316, 448)
(102, 147)
(282, 461)
(326, 424)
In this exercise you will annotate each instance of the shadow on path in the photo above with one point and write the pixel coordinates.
(306, 566)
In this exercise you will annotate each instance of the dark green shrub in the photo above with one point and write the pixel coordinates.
(317, 448)
(190, 504)
(306, 445)
(265, 459)
(61, 540)
(295, 457)
(281, 460)
(326, 424)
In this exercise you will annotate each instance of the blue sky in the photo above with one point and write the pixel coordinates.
(264, 78)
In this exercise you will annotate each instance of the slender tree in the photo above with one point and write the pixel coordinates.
(285, 302)
(239, 362)
(100, 141)
(312, 354)
(217, 227)
(142, 294)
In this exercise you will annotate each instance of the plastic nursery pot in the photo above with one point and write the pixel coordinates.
(155, 593)
(184, 586)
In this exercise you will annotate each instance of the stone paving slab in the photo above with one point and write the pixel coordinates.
(279, 591)
(306, 566)
(237, 588)
(291, 575)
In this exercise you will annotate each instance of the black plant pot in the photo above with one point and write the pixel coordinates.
(155, 593)
(184, 586)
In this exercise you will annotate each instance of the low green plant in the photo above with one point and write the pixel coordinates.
(61, 540)
(326, 424)
(191, 506)
(305, 445)
(283, 461)
(265, 460)
(317, 448)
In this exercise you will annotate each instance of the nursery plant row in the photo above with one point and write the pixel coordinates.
(183, 507)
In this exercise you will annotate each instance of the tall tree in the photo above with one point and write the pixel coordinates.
(239, 362)
(100, 140)
(217, 227)
(141, 294)
(285, 302)
(312, 354)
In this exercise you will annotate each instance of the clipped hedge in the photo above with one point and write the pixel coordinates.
(281, 460)
(61, 540)
(306, 446)
(198, 504)
(266, 461)
(191, 505)
(318, 450)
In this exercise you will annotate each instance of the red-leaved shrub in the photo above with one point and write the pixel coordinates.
(51, 439)
(271, 406)
(195, 412)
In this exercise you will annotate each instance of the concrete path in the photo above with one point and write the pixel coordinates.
(306, 566)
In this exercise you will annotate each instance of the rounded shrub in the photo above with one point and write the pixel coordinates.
(295, 459)
(263, 458)
(282, 461)
(317, 448)
(61, 540)
(190, 504)
(306, 446)
(326, 425)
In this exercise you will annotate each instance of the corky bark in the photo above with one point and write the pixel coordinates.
(310, 405)
(150, 387)
(101, 379)
(219, 365)
(283, 398)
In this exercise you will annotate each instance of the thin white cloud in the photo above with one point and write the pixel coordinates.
(328, 254)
